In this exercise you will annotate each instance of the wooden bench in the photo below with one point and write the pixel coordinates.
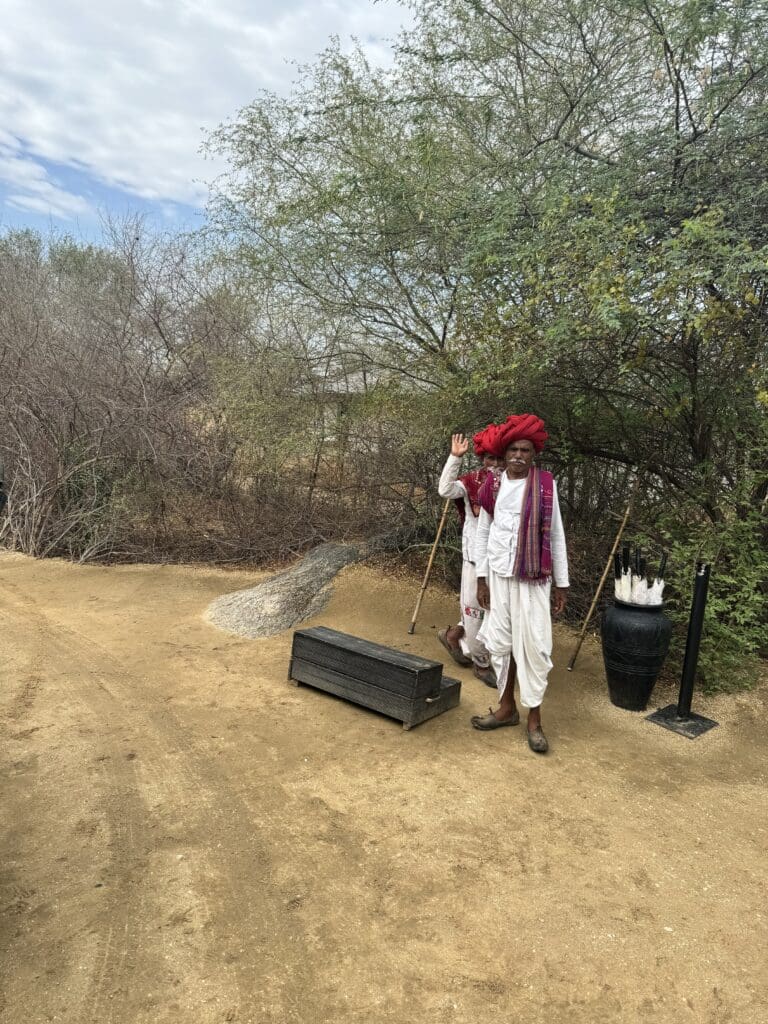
(403, 686)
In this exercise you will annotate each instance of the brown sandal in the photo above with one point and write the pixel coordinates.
(537, 741)
(485, 675)
(490, 721)
(455, 652)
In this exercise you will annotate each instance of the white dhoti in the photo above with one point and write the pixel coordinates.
(472, 616)
(519, 624)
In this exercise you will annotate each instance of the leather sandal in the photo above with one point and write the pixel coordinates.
(455, 652)
(537, 741)
(489, 721)
(485, 675)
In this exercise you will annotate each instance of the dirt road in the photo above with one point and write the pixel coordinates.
(187, 838)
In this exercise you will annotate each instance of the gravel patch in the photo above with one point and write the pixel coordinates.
(285, 599)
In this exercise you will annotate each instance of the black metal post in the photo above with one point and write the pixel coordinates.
(695, 626)
(681, 719)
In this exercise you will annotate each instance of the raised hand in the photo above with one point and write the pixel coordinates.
(459, 445)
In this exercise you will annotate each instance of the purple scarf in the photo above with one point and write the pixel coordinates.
(533, 562)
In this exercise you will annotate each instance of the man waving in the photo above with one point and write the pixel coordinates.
(461, 640)
(519, 551)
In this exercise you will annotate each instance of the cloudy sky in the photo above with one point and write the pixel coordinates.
(103, 104)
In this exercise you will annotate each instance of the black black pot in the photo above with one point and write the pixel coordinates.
(635, 644)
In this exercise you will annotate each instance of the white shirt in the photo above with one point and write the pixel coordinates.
(451, 487)
(496, 539)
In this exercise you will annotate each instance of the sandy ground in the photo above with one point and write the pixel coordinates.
(187, 837)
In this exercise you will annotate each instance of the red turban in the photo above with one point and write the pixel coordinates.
(525, 427)
(480, 442)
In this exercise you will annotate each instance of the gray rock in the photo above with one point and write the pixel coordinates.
(285, 599)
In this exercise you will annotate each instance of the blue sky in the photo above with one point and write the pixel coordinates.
(103, 107)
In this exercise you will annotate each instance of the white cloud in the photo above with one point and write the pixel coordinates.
(31, 188)
(123, 91)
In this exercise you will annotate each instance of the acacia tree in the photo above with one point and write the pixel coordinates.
(561, 205)
(346, 194)
(632, 310)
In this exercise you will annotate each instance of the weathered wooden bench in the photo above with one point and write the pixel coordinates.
(403, 686)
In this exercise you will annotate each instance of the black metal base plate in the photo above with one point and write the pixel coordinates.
(692, 727)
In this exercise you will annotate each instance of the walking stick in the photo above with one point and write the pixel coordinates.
(412, 626)
(607, 569)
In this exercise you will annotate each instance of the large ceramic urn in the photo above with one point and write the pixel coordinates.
(635, 644)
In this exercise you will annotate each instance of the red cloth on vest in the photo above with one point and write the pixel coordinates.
(472, 484)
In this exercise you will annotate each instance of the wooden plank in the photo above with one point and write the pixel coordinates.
(449, 697)
(356, 643)
(410, 711)
(358, 691)
(352, 656)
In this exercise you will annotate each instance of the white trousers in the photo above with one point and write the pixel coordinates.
(472, 618)
(519, 624)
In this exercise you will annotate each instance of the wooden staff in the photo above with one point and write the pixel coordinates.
(607, 569)
(412, 626)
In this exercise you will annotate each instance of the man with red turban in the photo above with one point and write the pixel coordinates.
(519, 550)
(461, 640)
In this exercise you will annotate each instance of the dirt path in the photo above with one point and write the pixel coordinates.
(188, 838)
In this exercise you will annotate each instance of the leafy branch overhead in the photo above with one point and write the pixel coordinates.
(559, 205)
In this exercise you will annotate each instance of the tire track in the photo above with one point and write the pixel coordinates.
(182, 858)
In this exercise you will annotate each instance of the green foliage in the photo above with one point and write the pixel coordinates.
(559, 207)
(736, 618)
